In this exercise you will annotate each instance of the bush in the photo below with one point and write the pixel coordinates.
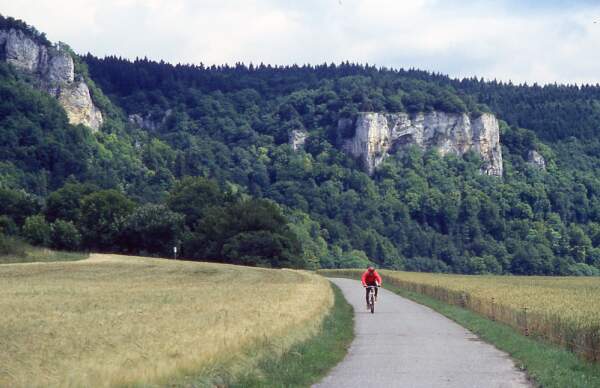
(426, 264)
(36, 230)
(10, 246)
(354, 259)
(65, 236)
(582, 269)
(8, 226)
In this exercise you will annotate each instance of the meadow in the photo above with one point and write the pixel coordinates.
(116, 320)
(562, 310)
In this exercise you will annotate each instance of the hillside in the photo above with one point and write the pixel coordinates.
(434, 191)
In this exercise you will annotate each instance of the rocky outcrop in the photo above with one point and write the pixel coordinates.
(78, 104)
(149, 122)
(376, 135)
(536, 159)
(297, 139)
(52, 70)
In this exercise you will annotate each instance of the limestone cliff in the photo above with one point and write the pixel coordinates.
(150, 121)
(52, 70)
(376, 135)
(297, 139)
(536, 159)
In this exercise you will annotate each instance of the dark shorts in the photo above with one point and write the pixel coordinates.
(367, 291)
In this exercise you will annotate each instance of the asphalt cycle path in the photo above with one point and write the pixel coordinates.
(405, 344)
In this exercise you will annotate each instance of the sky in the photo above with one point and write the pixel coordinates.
(522, 41)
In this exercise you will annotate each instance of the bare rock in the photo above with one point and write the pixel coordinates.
(21, 51)
(76, 100)
(298, 139)
(536, 159)
(147, 121)
(53, 71)
(377, 135)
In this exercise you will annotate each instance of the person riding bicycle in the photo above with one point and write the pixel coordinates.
(370, 278)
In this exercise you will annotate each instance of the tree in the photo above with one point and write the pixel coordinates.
(579, 242)
(192, 196)
(102, 216)
(253, 231)
(354, 259)
(262, 248)
(65, 203)
(8, 226)
(17, 205)
(36, 230)
(152, 229)
(309, 233)
(64, 236)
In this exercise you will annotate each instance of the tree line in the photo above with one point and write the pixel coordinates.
(198, 217)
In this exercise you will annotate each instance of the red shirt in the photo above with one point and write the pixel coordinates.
(370, 278)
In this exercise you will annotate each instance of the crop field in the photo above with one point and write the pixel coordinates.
(115, 320)
(562, 310)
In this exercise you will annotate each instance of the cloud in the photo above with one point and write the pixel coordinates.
(525, 41)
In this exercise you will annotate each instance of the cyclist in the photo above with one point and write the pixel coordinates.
(370, 278)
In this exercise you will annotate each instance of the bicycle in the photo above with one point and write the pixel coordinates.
(371, 298)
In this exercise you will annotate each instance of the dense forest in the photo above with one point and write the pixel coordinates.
(200, 157)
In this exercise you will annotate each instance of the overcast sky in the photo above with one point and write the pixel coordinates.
(524, 41)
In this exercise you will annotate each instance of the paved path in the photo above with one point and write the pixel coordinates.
(405, 344)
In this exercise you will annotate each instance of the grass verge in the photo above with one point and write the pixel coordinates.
(546, 364)
(41, 255)
(14, 250)
(308, 362)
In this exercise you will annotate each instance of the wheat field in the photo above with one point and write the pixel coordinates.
(562, 310)
(116, 320)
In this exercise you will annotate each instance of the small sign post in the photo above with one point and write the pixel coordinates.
(175, 252)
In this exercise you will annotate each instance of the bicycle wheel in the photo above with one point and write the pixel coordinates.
(372, 302)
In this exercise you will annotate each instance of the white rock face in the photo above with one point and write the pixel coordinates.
(379, 134)
(147, 121)
(20, 51)
(53, 70)
(536, 159)
(81, 109)
(60, 68)
(298, 139)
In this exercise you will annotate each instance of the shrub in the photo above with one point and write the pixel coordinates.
(10, 246)
(8, 225)
(582, 269)
(65, 236)
(426, 264)
(36, 230)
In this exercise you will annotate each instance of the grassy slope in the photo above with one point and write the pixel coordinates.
(114, 320)
(547, 364)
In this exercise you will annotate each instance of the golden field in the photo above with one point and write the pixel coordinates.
(116, 320)
(563, 310)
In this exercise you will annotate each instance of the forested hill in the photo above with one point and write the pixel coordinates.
(198, 156)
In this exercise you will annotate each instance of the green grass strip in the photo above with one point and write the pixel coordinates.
(14, 250)
(308, 362)
(546, 364)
